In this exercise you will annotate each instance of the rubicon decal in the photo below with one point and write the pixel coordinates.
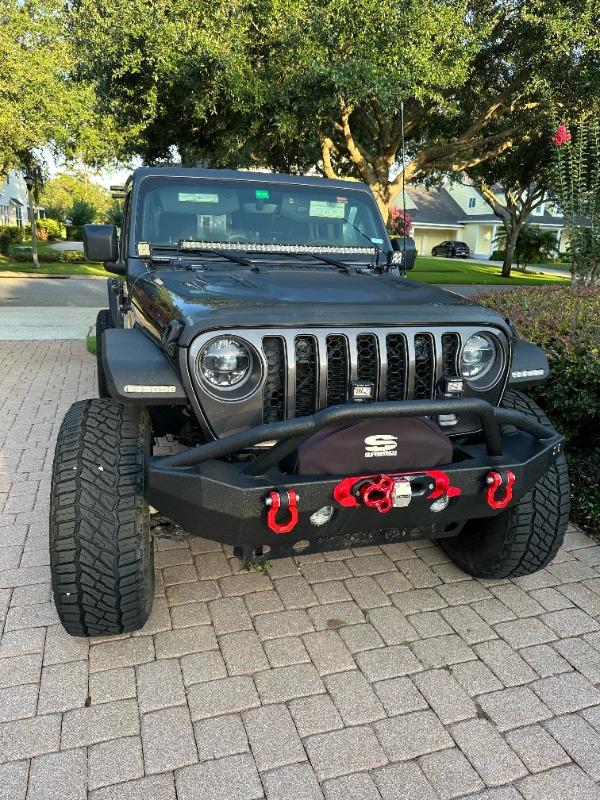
(382, 444)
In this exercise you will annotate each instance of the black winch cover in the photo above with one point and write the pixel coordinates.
(373, 446)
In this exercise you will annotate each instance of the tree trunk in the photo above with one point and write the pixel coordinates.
(513, 228)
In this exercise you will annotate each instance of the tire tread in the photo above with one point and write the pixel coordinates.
(100, 549)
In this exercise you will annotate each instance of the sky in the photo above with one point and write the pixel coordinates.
(105, 177)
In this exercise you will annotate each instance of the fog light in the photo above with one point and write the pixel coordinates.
(440, 504)
(322, 516)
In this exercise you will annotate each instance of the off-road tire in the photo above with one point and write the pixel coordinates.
(101, 554)
(526, 536)
(103, 323)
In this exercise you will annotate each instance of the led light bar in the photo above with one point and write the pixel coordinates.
(250, 247)
(527, 373)
(139, 389)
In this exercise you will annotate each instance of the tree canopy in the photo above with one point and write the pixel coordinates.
(291, 84)
(42, 103)
(60, 194)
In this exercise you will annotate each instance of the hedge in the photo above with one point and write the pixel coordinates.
(565, 322)
(10, 234)
(23, 255)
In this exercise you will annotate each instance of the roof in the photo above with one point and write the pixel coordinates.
(240, 175)
(434, 206)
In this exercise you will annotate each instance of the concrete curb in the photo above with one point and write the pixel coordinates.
(37, 276)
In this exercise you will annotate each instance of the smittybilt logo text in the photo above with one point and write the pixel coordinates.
(382, 444)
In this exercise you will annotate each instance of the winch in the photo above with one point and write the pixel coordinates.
(385, 492)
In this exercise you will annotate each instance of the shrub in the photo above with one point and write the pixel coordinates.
(71, 257)
(565, 323)
(23, 255)
(534, 245)
(47, 229)
(10, 234)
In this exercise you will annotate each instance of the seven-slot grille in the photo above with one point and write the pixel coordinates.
(309, 371)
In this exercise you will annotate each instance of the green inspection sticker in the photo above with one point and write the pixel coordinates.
(261, 194)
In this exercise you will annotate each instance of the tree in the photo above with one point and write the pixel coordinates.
(40, 103)
(82, 212)
(60, 193)
(533, 244)
(513, 185)
(114, 213)
(291, 83)
(578, 179)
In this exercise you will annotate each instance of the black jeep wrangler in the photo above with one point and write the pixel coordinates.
(314, 397)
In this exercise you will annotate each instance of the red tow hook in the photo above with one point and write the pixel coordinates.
(385, 492)
(495, 482)
(278, 499)
(378, 493)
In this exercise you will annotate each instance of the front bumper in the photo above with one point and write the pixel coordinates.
(225, 500)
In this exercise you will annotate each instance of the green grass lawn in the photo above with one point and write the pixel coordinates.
(464, 271)
(82, 268)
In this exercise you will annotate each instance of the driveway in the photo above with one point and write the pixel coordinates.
(383, 673)
(52, 308)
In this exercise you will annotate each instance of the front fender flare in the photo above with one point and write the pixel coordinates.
(138, 371)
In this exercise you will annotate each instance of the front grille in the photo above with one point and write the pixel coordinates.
(450, 350)
(309, 370)
(337, 369)
(274, 386)
(306, 375)
(424, 367)
(367, 357)
(397, 362)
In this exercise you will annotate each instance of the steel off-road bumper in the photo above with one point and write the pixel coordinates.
(233, 502)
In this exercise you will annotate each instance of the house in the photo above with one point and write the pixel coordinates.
(14, 205)
(458, 212)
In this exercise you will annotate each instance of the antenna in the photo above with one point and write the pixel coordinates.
(402, 151)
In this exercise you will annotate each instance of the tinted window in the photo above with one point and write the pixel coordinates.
(171, 209)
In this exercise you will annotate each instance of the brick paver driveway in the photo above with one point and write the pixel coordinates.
(377, 673)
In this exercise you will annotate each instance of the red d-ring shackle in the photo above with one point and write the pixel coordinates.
(495, 482)
(276, 500)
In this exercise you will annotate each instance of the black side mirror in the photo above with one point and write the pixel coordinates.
(407, 247)
(100, 243)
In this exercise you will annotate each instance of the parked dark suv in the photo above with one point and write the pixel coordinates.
(451, 250)
(314, 398)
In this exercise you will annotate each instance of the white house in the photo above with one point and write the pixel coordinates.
(14, 208)
(459, 213)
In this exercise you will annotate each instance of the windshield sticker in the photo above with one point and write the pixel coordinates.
(261, 194)
(342, 199)
(324, 208)
(377, 241)
(197, 197)
(143, 248)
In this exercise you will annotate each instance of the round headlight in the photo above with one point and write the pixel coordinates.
(225, 363)
(478, 356)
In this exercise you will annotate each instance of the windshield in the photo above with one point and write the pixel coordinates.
(255, 212)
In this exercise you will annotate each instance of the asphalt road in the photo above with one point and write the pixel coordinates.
(35, 292)
(49, 308)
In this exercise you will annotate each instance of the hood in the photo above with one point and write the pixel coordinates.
(296, 298)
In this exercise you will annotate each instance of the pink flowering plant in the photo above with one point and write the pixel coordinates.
(400, 223)
(577, 166)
